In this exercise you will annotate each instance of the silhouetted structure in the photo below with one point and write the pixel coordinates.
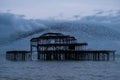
(56, 46)
(18, 55)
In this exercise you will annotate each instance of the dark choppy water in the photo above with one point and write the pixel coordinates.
(68, 70)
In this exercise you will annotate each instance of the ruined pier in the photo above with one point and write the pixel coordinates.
(56, 46)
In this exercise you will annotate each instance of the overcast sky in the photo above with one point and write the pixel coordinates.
(44, 9)
(42, 15)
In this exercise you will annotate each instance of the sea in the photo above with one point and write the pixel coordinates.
(59, 70)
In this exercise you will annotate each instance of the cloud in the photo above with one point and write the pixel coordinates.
(14, 27)
(108, 17)
(99, 12)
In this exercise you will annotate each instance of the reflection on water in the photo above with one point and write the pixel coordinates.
(59, 70)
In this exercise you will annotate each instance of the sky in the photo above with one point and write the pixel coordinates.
(22, 18)
(63, 9)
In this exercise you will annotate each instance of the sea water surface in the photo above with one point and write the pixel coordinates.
(59, 70)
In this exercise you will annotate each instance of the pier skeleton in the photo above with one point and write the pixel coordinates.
(56, 46)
